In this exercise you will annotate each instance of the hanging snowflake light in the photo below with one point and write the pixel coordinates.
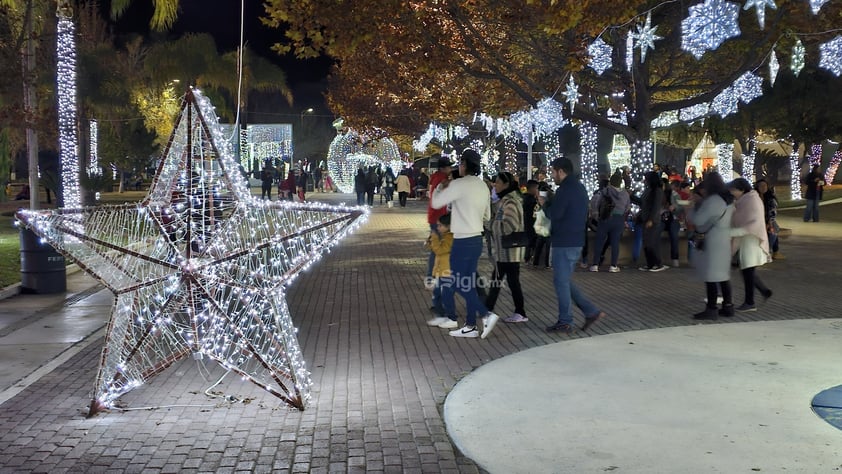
(816, 5)
(460, 132)
(760, 8)
(694, 112)
(774, 66)
(725, 103)
(708, 26)
(600, 55)
(748, 87)
(548, 116)
(665, 119)
(521, 124)
(831, 55)
(797, 62)
(572, 94)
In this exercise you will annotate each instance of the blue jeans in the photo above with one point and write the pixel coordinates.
(564, 263)
(464, 257)
(812, 210)
(443, 298)
(611, 230)
(431, 260)
(637, 245)
(673, 228)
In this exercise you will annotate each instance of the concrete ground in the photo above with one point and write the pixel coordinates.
(382, 378)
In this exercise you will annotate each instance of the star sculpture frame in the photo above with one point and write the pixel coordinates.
(199, 267)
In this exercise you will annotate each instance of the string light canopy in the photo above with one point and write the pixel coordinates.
(199, 267)
(349, 151)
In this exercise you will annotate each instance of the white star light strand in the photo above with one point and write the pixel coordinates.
(66, 92)
(760, 8)
(816, 5)
(797, 62)
(600, 56)
(708, 26)
(572, 94)
(199, 267)
(831, 55)
(645, 37)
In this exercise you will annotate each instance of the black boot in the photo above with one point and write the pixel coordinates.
(708, 313)
(727, 310)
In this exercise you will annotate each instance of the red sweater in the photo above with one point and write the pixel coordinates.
(434, 214)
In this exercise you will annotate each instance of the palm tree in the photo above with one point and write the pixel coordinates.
(165, 14)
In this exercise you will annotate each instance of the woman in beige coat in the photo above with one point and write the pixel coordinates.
(748, 229)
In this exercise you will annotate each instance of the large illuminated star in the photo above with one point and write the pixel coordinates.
(198, 268)
(645, 37)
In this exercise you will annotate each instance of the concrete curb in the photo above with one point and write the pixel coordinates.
(14, 289)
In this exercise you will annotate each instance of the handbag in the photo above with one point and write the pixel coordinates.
(699, 237)
(515, 239)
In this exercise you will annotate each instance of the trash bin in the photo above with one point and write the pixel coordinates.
(42, 269)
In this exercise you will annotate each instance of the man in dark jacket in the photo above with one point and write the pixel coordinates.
(267, 178)
(815, 184)
(568, 214)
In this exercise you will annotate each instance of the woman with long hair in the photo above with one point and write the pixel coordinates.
(749, 231)
(506, 218)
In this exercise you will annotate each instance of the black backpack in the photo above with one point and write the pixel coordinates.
(606, 207)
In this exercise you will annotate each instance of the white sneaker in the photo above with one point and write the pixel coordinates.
(516, 318)
(613, 269)
(449, 324)
(466, 331)
(488, 323)
(437, 321)
(593, 268)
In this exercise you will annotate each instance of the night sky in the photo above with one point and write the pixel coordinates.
(221, 18)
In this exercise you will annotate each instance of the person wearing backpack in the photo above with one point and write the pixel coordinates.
(610, 206)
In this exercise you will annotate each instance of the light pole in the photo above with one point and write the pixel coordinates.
(306, 111)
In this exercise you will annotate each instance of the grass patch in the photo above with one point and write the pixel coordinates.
(9, 252)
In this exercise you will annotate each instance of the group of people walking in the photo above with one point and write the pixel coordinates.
(726, 224)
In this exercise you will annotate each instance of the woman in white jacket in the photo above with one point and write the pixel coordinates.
(748, 228)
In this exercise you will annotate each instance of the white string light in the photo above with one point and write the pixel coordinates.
(572, 94)
(832, 167)
(725, 160)
(749, 159)
(774, 66)
(93, 162)
(590, 166)
(350, 151)
(760, 8)
(816, 5)
(199, 267)
(66, 92)
(600, 56)
(797, 61)
(642, 160)
(645, 37)
(795, 176)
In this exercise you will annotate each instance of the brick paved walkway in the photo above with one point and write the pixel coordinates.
(380, 374)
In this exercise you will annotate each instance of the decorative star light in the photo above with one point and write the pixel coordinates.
(708, 26)
(816, 5)
(572, 93)
(199, 267)
(665, 119)
(600, 56)
(645, 37)
(797, 62)
(773, 68)
(760, 8)
(831, 55)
